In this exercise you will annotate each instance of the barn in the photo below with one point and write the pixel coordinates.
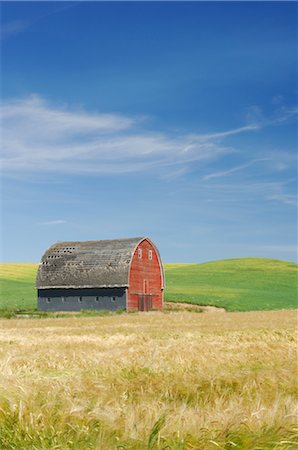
(104, 275)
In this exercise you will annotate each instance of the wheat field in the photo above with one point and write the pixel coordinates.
(153, 380)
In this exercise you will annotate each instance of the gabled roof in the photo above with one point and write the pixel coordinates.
(87, 264)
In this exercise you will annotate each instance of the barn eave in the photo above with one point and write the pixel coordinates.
(86, 286)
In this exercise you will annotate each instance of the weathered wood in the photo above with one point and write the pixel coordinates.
(145, 276)
(70, 272)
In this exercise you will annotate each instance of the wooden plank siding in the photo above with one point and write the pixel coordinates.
(145, 277)
(77, 275)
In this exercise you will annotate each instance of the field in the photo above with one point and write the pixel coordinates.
(140, 381)
(246, 284)
(17, 285)
(158, 380)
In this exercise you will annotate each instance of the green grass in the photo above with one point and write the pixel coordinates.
(247, 284)
(17, 286)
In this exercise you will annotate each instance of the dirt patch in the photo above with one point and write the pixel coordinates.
(189, 307)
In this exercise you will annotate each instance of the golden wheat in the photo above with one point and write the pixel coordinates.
(178, 380)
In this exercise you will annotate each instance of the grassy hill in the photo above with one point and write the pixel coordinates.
(245, 284)
(17, 285)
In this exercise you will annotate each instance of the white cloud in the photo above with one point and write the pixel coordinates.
(281, 113)
(288, 199)
(284, 114)
(13, 27)
(32, 111)
(17, 26)
(254, 115)
(53, 222)
(240, 191)
(38, 136)
(252, 127)
(234, 169)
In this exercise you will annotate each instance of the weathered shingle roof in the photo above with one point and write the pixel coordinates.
(87, 264)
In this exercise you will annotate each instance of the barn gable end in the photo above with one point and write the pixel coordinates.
(97, 275)
(146, 278)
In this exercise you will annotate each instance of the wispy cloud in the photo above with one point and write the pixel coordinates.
(17, 26)
(284, 114)
(174, 174)
(223, 134)
(53, 222)
(38, 136)
(288, 199)
(225, 173)
(14, 27)
(250, 190)
(281, 113)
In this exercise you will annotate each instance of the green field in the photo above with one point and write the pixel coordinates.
(247, 284)
(17, 285)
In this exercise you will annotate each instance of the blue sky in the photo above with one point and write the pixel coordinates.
(176, 120)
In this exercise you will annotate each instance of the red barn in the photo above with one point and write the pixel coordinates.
(114, 274)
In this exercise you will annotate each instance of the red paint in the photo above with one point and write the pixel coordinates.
(145, 276)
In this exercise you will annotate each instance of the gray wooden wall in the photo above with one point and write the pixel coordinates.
(109, 299)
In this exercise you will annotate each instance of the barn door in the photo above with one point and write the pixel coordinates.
(145, 302)
(141, 302)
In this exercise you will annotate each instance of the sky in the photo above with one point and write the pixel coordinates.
(172, 120)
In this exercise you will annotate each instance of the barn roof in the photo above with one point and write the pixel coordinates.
(87, 264)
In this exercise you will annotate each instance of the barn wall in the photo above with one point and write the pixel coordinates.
(110, 299)
(145, 277)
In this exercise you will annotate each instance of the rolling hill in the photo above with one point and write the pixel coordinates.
(17, 285)
(244, 284)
